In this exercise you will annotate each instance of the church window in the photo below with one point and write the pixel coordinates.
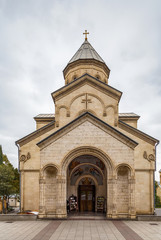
(98, 77)
(75, 77)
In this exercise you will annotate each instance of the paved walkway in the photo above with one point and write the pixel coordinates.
(80, 230)
(158, 211)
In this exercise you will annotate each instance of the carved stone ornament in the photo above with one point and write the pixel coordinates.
(28, 155)
(145, 155)
(24, 158)
(150, 158)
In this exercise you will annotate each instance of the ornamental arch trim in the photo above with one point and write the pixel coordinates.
(42, 171)
(93, 165)
(84, 111)
(88, 150)
(88, 176)
(131, 170)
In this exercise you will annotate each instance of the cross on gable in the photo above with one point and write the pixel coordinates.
(86, 100)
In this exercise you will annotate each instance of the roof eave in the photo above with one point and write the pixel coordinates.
(21, 140)
(68, 86)
(154, 140)
(86, 61)
(129, 140)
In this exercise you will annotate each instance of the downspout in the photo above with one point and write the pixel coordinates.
(19, 171)
(154, 173)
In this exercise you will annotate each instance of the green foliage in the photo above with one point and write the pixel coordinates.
(157, 198)
(16, 181)
(9, 177)
(6, 180)
(156, 186)
(5, 159)
(1, 155)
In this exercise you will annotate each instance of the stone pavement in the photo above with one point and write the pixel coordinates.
(80, 230)
(158, 211)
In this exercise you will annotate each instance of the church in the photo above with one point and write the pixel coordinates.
(87, 157)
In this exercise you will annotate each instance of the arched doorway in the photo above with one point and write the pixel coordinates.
(86, 195)
(87, 181)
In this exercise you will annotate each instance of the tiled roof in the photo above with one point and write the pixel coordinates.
(128, 115)
(51, 115)
(86, 51)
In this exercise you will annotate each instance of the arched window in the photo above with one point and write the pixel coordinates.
(75, 77)
(98, 77)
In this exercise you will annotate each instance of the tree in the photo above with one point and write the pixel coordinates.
(157, 198)
(1, 155)
(6, 180)
(5, 159)
(16, 181)
(9, 177)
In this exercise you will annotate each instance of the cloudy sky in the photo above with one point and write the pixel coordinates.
(39, 37)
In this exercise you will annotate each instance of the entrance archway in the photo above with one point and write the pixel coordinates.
(87, 181)
(86, 195)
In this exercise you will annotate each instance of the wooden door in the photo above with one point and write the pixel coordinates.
(86, 198)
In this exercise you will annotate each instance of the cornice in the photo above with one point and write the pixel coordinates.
(137, 133)
(86, 62)
(94, 120)
(35, 134)
(84, 79)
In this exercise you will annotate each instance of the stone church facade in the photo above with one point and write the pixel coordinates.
(87, 149)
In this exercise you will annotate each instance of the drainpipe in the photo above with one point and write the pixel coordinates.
(154, 173)
(19, 171)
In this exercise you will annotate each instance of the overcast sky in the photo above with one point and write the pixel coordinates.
(39, 37)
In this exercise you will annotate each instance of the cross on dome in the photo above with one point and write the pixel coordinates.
(86, 34)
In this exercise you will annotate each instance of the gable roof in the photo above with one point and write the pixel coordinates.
(138, 133)
(98, 122)
(36, 133)
(107, 89)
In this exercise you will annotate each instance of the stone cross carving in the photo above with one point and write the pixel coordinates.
(86, 34)
(86, 100)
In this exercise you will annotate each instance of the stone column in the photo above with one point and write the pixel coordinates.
(114, 199)
(132, 209)
(151, 183)
(61, 210)
(111, 198)
(22, 189)
(41, 197)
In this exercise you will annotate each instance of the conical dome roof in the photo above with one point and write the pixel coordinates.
(86, 60)
(86, 51)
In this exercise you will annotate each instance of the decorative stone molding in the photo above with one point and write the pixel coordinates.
(150, 158)
(88, 150)
(24, 158)
(104, 113)
(57, 123)
(42, 181)
(68, 113)
(61, 181)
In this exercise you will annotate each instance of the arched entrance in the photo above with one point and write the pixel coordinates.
(87, 182)
(86, 195)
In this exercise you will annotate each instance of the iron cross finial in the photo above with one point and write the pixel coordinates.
(86, 34)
